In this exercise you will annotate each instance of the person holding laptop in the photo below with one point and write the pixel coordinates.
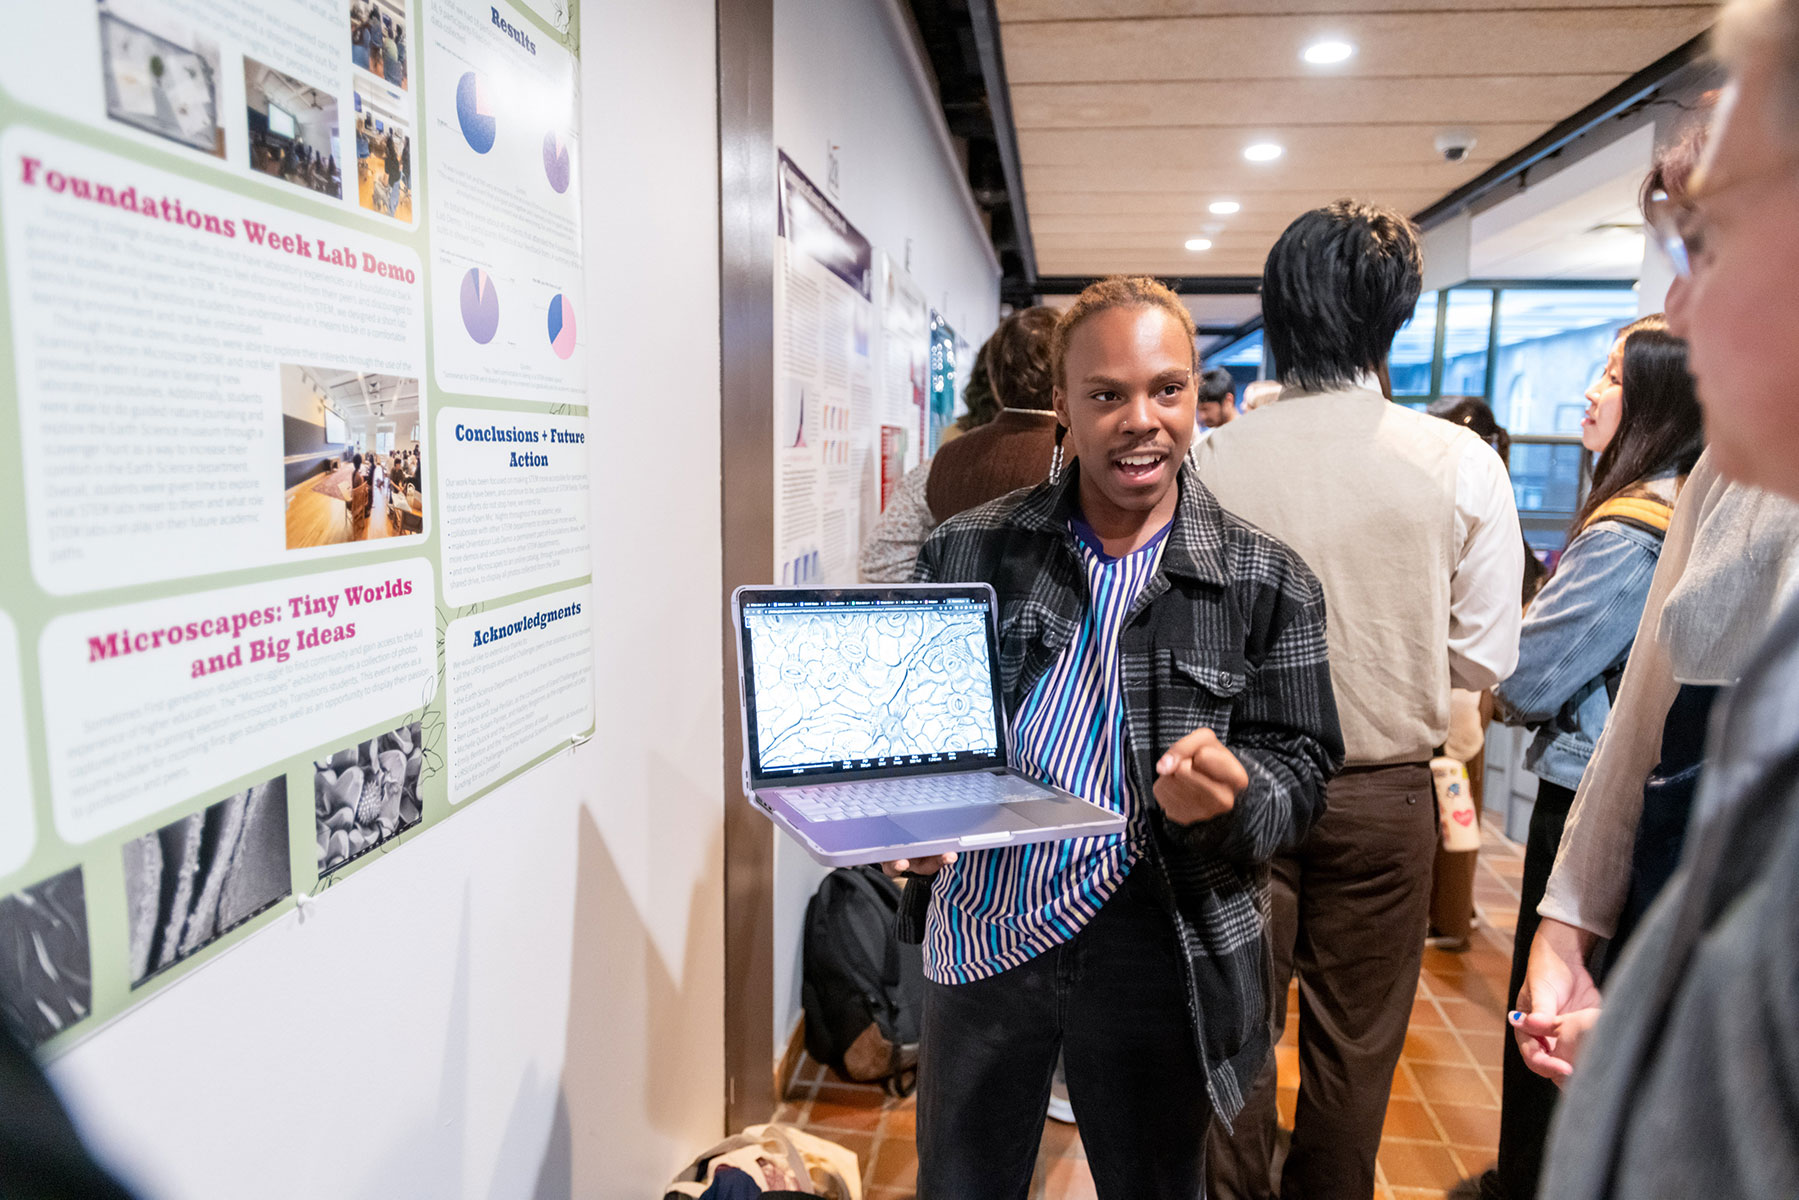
(1163, 659)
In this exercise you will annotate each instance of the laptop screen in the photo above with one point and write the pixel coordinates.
(868, 682)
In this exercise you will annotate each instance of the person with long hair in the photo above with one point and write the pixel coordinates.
(1643, 421)
(979, 398)
(362, 497)
(1008, 451)
(1475, 415)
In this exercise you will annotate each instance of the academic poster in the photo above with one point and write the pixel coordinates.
(294, 561)
(826, 427)
(903, 392)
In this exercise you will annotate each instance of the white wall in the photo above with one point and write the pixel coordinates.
(525, 1001)
(299, 398)
(847, 73)
(1446, 253)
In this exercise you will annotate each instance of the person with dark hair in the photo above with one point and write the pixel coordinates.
(1452, 876)
(1217, 400)
(1643, 420)
(1410, 526)
(1473, 413)
(977, 398)
(362, 497)
(391, 166)
(1161, 658)
(1009, 452)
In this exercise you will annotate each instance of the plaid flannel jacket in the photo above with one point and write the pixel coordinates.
(1229, 633)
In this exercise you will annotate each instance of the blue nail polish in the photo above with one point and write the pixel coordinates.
(1514, 1017)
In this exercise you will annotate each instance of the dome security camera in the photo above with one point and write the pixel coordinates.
(1455, 144)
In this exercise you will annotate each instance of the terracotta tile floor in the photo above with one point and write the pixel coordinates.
(1442, 1123)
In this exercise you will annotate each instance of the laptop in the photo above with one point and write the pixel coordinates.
(874, 729)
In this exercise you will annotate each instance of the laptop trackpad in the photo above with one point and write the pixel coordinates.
(960, 822)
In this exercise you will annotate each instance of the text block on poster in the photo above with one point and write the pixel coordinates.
(153, 320)
(147, 705)
(520, 681)
(515, 502)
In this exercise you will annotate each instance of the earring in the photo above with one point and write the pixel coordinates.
(1055, 462)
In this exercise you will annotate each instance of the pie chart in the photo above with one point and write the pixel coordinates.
(481, 307)
(555, 161)
(562, 326)
(474, 111)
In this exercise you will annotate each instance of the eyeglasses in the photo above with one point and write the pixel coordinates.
(1664, 219)
(1680, 229)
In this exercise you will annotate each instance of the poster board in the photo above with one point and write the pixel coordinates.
(826, 451)
(905, 368)
(944, 375)
(247, 242)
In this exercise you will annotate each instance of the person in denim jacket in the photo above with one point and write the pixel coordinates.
(1643, 420)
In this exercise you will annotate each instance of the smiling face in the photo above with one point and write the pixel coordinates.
(1127, 397)
(1605, 403)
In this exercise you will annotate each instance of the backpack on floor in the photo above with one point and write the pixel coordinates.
(862, 988)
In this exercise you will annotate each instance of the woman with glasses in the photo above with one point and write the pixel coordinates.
(1643, 421)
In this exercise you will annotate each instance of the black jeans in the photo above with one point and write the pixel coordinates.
(1528, 1104)
(1112, 1002)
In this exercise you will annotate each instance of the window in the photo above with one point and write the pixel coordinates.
(1245, 352)
(1413, 349)
(1552, 344)
(1546, 476)
(1465, 334)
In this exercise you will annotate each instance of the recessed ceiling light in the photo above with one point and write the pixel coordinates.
(1263, 152)
(1199, 244)
(1323, 54)
(1225, 208)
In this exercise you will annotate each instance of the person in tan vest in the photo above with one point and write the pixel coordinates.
(1007, 453)
(1409, 523)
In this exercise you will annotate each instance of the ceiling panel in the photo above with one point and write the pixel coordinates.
(1231, 175)
(1050, 207)
(1579, 41)
(1541, 99)
(1206, 310)
(1060, 10)
(1314, 146)
(1132, 115)
(1095, 231)
(1175, 262)
(1222, 242)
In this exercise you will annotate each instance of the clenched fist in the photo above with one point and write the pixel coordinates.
(1197, 779)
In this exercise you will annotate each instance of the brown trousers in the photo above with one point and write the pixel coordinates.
(1349, 912)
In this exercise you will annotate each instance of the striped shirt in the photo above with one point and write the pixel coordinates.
(995, 909)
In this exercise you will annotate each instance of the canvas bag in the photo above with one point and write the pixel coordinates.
(781, 1159)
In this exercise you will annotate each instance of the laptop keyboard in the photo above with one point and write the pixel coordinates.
(896, 797)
